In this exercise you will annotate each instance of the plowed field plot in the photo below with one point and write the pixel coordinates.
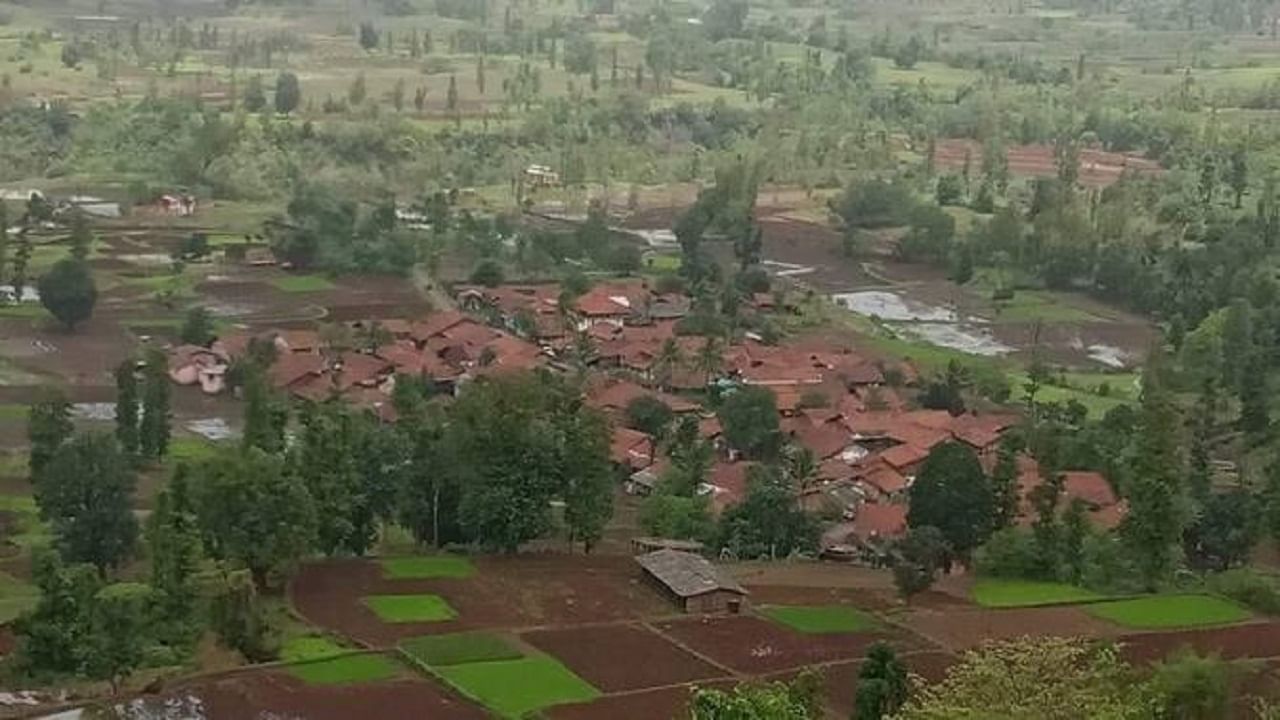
(958, 630)
(663, 704)
(618, 658)
(1253, 640)
(755, 645)
(276, 694)
(503, 593)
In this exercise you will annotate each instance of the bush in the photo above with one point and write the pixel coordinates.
(488, 273)
(1249, 588)
(1009, 553)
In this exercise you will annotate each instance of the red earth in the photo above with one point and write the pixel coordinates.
(264, 694)
(528, 591)
(753, 645)
(1251, 640)
(1098, 168)
(596, 654)
(662, 704)
(958, 628)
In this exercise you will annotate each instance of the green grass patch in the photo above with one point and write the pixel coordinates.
(424, 567)
(459, 648)
(191, 449)
(514, 688)
(26, 310)
(304, 648)
(821, 619)
(303, 283)
(1170, 611)
(14, 413)
(1097, 405)
(16, 597)
(663, 263)
(410, 608)
(348, 669)
(1003, 593)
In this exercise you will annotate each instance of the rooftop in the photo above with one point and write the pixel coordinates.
(686, 574)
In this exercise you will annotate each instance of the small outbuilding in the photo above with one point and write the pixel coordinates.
(692, 582)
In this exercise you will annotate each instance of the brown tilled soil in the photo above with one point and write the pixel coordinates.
(665, 704)
(272, 694)
(622, 657)
(958, 629)
(528, 591)
(754, 645)
(1252, 640)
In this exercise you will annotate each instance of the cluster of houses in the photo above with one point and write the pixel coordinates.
(850, 411)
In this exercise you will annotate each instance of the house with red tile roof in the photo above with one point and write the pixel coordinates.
(875, 524)
(905, 459)
(292, 369)
(631, 449)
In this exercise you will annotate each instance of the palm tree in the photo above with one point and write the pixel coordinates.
(669, 359)
(708, 360)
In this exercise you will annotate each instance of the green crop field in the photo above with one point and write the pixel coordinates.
(514, 688)
(16, 597)
(1170, 611)
(310, 647)
(459, 648)
(1002, 593)
(349, 669)
(821, 619)
(410, 608)
(420, 568)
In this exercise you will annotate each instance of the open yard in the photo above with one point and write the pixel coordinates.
(1002, 593)
(1170, 611)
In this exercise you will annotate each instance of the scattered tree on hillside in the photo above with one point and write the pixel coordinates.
(68, 292)
(197, 327)
(920, 556)
(882, 684)
(127, 406)
(173, 542)
(800, 699)
(767, 523)
(288, 94)
(255, 95)
(153, 429)
(84, 494)
(48, 427)
(749, 417)
(952, 494)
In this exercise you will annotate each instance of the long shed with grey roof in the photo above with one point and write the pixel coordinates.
(693, 582)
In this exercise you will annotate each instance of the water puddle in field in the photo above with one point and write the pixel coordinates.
(101, 412)
(932, 323)
(215, 429)
(1112, 357)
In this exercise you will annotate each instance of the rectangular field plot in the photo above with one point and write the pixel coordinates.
(1170, 611)
(310, 647)
(427, 567)
(821, 619)
(1002, 593)
(345, 670)
(623, 657)
(513, 688)
(459, 648)
(410, 608)
(303, 283)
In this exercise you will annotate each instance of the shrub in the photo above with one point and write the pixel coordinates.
(1249, 588)
(1009, 553)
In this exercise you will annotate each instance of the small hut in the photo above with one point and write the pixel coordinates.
(692, 582)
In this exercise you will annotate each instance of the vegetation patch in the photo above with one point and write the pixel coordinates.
(821, 619)
(305, 648)
(425, 567)
(303, 283)
(16, 597)
(1004, 593)
(410, 608)
(14, 413)
(513, 688)
(348, 669)
(459, 649)
(1170, 611)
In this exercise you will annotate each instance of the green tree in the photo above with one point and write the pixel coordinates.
(48, 427)
(952, 494)
(255, 95)
(1238, 174)
(153, 429)
(514, 444)
(451, 96)
(197, 327)
(1188, 686)
(650, 416)
(1005, 493)
(52, 637)
(325, 458)
(921, 555)
(882, 684)
(127, 405)
(238, 617)
(1227, 529)
(4, 242)
(797, 700)
(767, 523)
(1075, 533)
(121, 630)
(265, 415)
(358, 91)
(84, 494)
(68, 292)
(750, 419)
(253, 513)
(368, 36)
(173, 541)
(81, 236)
(288, 94)
(1069, 679)
(1155, 486)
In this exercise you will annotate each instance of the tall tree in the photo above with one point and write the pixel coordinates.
(173, 541)
(4, 241)
(882, 684)
(255, 95)
(1004, 484)
(265, 415)
(81, 235)
(952, 494)
(153, 429)
(68, 292)
(52, 637)
(48, 427)
(253, 512)
(121, 630)
(1155, 485)
(750, 420)
(325, 458)
(127, 405)
(288, 92)
(85, 495)
(767, 523)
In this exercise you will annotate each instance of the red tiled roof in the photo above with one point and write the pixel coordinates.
(885, 478)
(631, 448)
(300, 341)
(901, 457)
(603, 301)
(1109, 517)
(1090, 487)
(316, 388)
(880, 520)
(834, 468)
(360, 369)
(823, 440)
(436, 324)
(469, 332)
(710, 428)
(618, 395)
(290, 368)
